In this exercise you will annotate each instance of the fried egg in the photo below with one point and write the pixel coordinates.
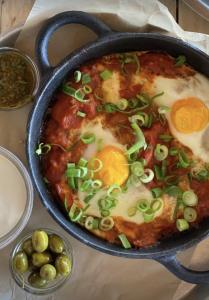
(188, 116)
(115, 170)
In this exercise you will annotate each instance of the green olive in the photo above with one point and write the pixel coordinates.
(36, 281)
(56, 244)
(20, 262)
(40, 259)
(28, 247)
(63, 265)
(40, 240)
(48, 272)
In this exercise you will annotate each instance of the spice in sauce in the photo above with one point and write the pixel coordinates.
(16, 80)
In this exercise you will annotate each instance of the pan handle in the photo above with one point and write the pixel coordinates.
(174, 266)
(59, 20)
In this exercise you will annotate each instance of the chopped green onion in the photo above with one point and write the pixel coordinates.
(134, 180)
(190, 198)
(88, 138)
(143, 205)
(87, 89)
(200, 174)
(113, 190)
(156, 205)
(86, 78)
(106, 74)
(65, 204)
(73, 172)
(158, 172)
(110, 108)
(171, 180)
(147, 176)
(173, 151)
(86, 185)
(137, 168)
(84, 172)
(43, 148)
(190, 214)
(106, 223)
(124, 241)
(140, 143)
(132, 211)
(165, 137)
(98, 167)
(107, 202)
(77, 76)
(161, 152)
(88, 198)
(73, 183)
(77, 94)
(140, 117)
(82, 162)
(75, 213)
(148, 215)
(183, 160)
(173, 191)
(163, 109)
(80, 114)
(105, 212)
(122, 104)
(163, 168)
(96, 184)
(132, 157)
(157, 192)
(182, 224)
(144, 99)
(180, 60)
(133, 102)
(89, 223)
(157, 95)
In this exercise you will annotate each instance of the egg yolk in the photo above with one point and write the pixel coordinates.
(114, 166)
(189, 115)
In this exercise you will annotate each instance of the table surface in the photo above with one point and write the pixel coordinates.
(15, 12)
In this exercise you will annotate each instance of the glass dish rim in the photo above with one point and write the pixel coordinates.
(17, 229)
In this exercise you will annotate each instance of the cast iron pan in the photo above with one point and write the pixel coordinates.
(107, 42)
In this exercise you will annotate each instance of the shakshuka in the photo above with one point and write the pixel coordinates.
(125, 147)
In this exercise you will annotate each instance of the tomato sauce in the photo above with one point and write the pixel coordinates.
(61, 131)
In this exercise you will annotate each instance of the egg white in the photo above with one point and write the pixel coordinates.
(179, 88)
(124, 200)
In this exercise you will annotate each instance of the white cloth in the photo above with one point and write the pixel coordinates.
(97, 275)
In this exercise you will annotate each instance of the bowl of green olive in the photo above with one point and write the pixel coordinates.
(42, 261)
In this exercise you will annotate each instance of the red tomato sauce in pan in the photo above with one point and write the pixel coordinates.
(61, 131)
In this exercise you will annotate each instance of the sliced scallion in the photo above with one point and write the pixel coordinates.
(190, 214)
(77, 76)
(163, 109)
(106, 74)
(183, 160)
(81, 114)
(189, 198)
(132, 211)
(140, 140)
(122, 104)
(148, 215)
(96, 184)
(156, 205)
(88, 138)
(87, 89)
(113, 190)
(173, 191)
(157, 192)
(182, 224)
(43, 149)
(173, 151)
(180, 60)
(75, 213)
(147, 176)
(106, 223)
(95, 165)
(166, 137)
(86, 78)
(161, 152)
(124, 241)
(143, 205)
(82, 162)
(137, 168)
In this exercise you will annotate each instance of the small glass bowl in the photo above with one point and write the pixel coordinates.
(16, 230)
(22, 279)
(35, 75)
